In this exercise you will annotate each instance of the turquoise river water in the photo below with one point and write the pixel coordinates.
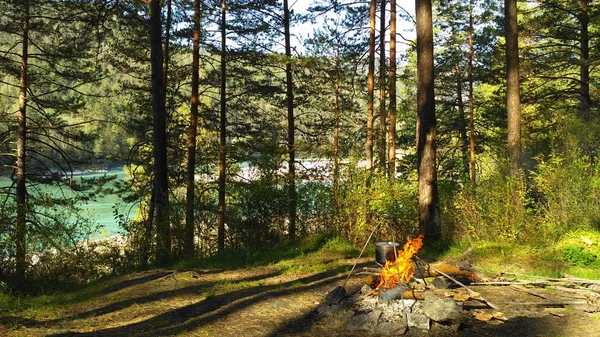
(101, 209)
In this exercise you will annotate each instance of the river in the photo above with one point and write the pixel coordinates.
(101, 210)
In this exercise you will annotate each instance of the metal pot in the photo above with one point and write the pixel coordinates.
(385, 251)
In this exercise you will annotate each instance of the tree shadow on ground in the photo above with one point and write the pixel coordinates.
(298, 326)
(133, 282)
(517, 326)
(113, 307)
(311, 325)
(212, 309)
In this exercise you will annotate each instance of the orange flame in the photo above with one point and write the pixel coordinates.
(402, 269)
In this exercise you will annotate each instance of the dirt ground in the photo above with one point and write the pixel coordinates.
(266, 302)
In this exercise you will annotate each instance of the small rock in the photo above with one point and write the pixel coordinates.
(364, 322)
(322, 308)
(328, 310)
(344, 316)
(464, 265)
(441, 309)
(395, 310)
(418, 321)
(391, 294)
(441, 283)
(391, 328)
(364, 303)
(366, 290)
(336, 295)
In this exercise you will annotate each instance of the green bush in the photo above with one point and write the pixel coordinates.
(580, 256)
(497, 209)
(378, 198)
(569, 186)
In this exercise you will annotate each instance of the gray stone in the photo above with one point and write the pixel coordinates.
(395, 310)
(328, 310)
(418, 321)
(441, 309)
(391, 294)
(364, 303)
(441, 283)
(391, 328)
(364, 322)
(366, 290)
(344, 316)
(464, 265)
(336, 295)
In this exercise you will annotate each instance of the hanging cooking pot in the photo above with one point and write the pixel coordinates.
(385, 251)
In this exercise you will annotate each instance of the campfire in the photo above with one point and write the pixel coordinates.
(396, 296)
(401, 269)
(403, 292)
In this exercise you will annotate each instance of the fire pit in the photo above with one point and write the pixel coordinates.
(392, 301)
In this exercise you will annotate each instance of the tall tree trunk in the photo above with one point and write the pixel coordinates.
(370, 107)
(462, 122)
(336, 140)
(222, 130)
(471, 118)
(163, 230)
(146, 241)
(167, 48)
(426, 125)
(382, 112)
(21, 225)
(513, 99)
(290, 120)
(371, 85)
(191, 169)
(392, 94)
(584, 68)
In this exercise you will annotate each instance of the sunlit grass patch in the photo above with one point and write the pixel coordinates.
(547, 260)
(248, 258)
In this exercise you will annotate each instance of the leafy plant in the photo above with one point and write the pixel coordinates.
(580, 256)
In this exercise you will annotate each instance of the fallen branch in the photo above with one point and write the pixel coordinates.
(439, 270)
(481, 299)
(450, 270)
(507, 283)
(564, 279)
(372, 270)
(527, 291)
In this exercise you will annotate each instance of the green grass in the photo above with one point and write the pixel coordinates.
(315, 254)
(572, 255)
(285, 251)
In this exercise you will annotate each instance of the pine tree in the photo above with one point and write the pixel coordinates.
(426, 125)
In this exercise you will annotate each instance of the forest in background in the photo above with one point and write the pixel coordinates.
(464, 133)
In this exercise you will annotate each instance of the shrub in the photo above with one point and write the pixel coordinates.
(580, 256)
(497, 209)
(377, 199)
(569, 186)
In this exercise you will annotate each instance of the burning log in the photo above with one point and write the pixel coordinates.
(428, 271)
(373, 280)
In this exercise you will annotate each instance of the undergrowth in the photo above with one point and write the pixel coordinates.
(575, 254)
(285, 251)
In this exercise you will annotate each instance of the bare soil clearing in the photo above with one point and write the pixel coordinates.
(264, 301)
